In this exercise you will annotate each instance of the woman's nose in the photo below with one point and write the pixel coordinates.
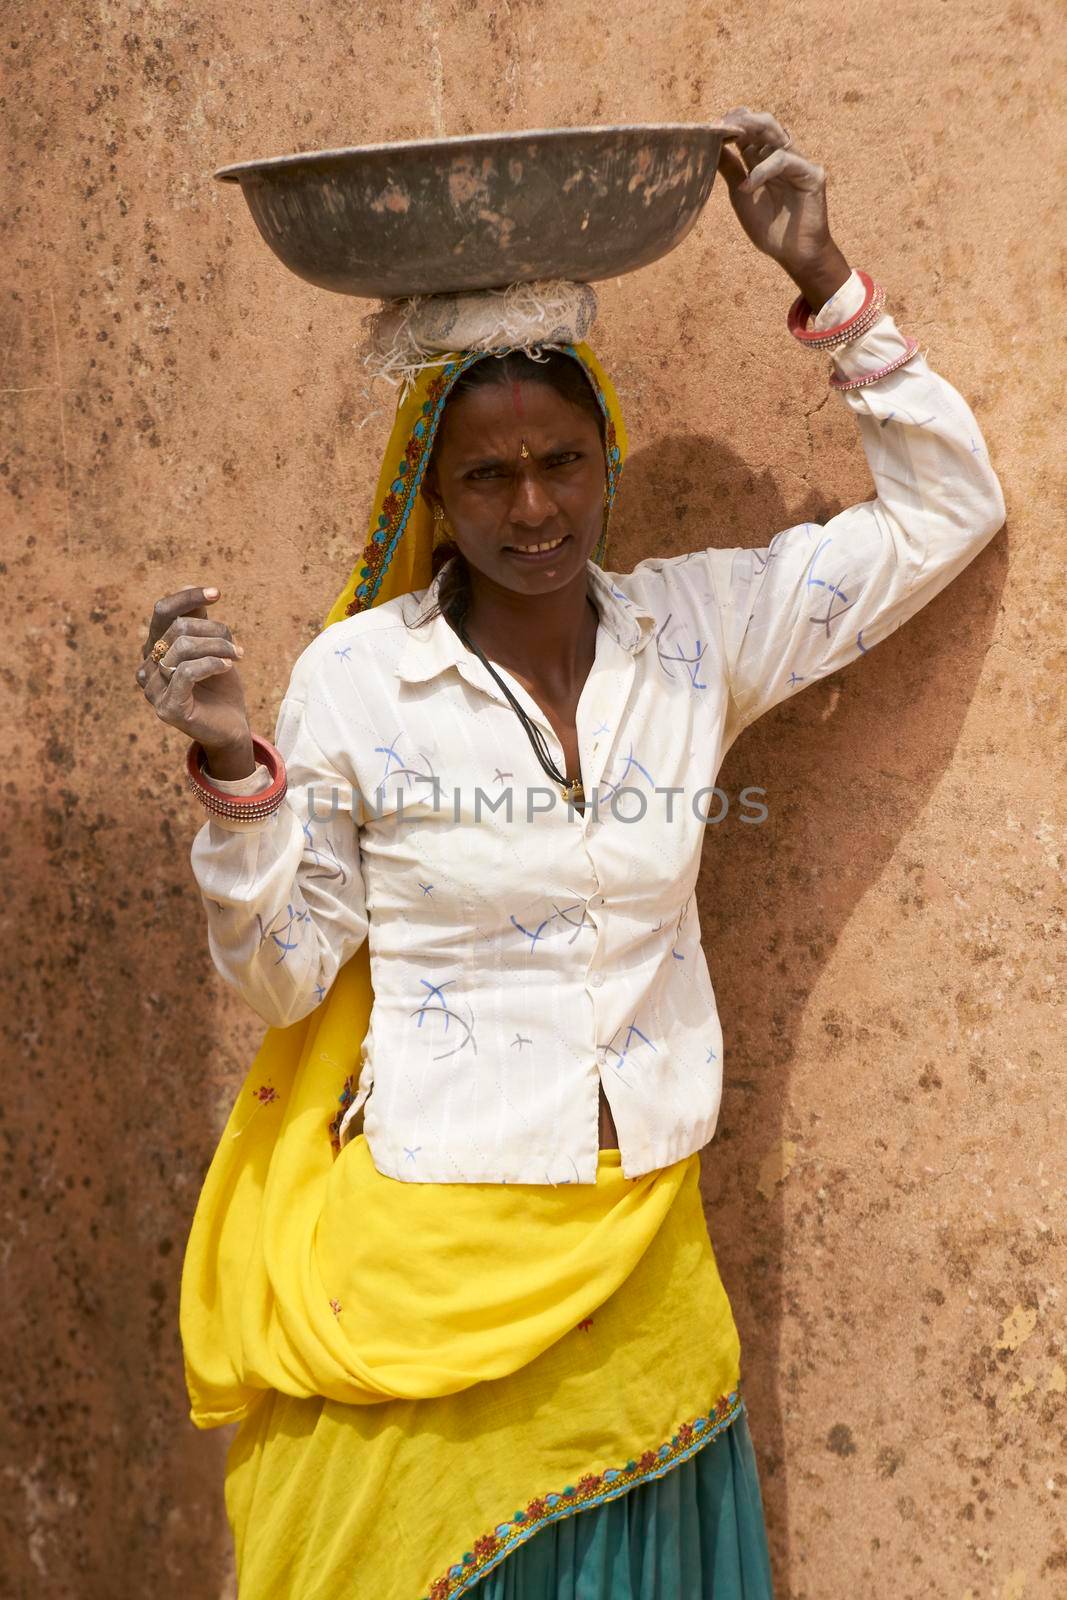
(532, 504)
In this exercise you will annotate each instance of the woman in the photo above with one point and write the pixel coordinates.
(482, 1345)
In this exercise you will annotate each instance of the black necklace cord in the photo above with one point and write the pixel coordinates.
(572, 788)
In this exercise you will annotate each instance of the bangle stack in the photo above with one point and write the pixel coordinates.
(800, 314)
(239, 807)
(847, 332)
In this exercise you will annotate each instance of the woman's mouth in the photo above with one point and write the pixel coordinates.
(542, 550)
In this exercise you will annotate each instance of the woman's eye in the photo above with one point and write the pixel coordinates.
(563, 458)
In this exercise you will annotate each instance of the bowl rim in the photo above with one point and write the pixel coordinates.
(232, 172)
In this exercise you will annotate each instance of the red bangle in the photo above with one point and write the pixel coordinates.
(800, 314)
(239, 807)
(864, 379)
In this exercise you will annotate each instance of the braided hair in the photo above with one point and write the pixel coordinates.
(559, 372)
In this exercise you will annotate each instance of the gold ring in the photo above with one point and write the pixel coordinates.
(159, 650)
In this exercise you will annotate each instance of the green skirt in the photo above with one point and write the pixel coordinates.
(697, 1533)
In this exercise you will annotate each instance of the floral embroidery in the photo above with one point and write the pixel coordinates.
(265, 1095)
(585, 1324)
(344, 1100)
(398, 504)
(335, 1307)
(594, 1488)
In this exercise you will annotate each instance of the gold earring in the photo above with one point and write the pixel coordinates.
(524, 453)
(441, 529)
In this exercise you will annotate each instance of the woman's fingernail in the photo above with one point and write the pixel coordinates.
(211, 593)
(239, 649)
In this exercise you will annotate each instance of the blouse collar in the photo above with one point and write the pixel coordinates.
(432, 648)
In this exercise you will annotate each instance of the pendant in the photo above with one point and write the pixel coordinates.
(573, 790)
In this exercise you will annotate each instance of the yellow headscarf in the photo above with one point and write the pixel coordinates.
(255, 1310)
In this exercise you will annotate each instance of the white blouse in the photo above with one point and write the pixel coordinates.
(522, 953)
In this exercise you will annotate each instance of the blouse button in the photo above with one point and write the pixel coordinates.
(596, 901)
(596, 980)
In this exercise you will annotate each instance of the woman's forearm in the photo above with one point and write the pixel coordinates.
(819, 278)
(284, 896)
(232, 765)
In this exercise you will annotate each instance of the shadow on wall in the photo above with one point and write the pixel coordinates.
(847, 764)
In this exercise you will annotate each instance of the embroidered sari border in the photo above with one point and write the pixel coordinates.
(593, 1489)
(396, 508)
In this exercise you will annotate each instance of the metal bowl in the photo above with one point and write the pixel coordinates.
(438, 215)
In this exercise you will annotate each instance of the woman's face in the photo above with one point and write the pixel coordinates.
(500, 503)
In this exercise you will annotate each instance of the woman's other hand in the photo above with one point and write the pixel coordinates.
(195, 685)
(779, 197)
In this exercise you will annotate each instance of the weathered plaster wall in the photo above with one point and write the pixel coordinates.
(885, 1193)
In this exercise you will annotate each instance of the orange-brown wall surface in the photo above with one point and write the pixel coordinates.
(885, 1192)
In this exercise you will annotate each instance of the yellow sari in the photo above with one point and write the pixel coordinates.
(427, 1374)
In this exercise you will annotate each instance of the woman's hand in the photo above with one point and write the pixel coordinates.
(195, 686)
(779, 197)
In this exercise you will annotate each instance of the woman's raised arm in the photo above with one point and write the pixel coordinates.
(821, 595)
